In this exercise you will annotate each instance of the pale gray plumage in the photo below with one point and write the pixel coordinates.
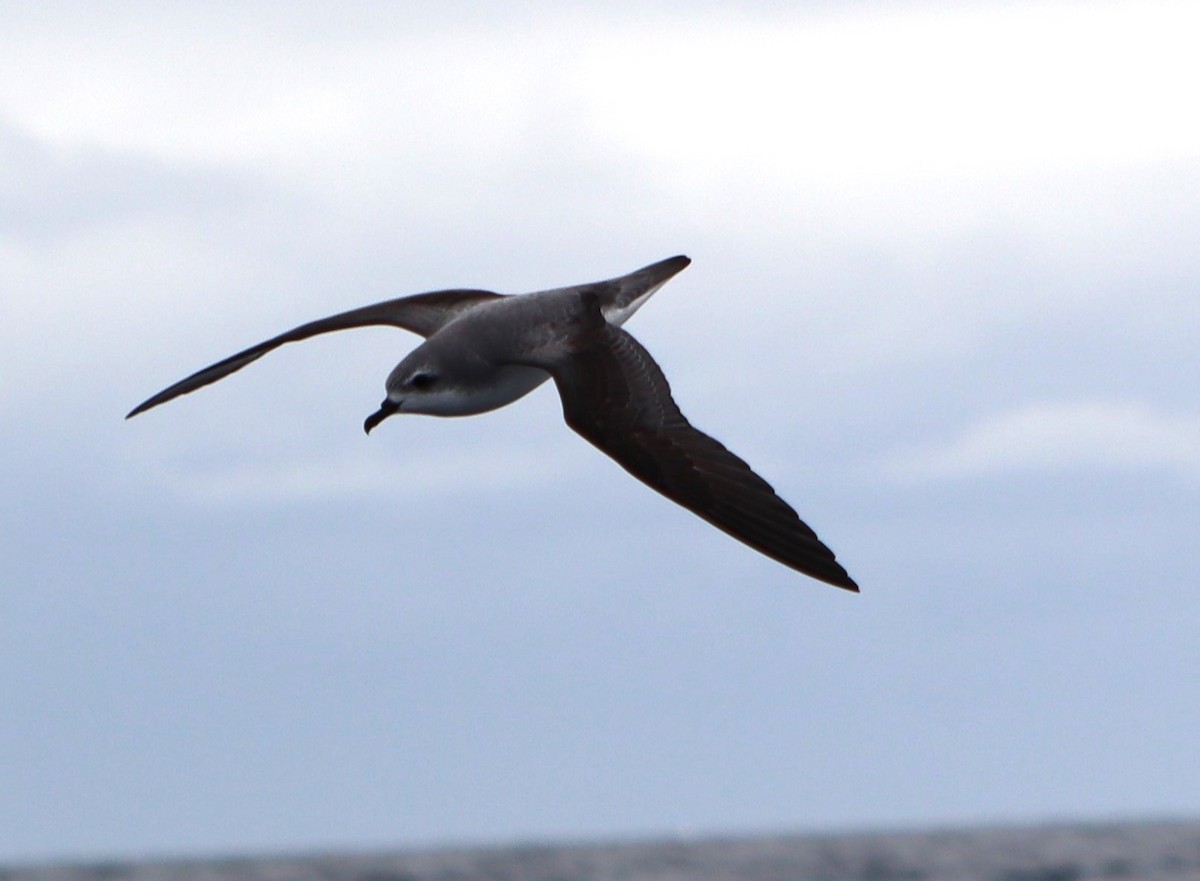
(484, 350)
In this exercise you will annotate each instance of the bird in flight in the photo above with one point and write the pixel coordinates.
(484, 350)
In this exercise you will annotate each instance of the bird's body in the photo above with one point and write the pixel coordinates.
(483, 351)
(476, 358)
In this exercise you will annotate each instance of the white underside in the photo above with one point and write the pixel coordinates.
(509, 384)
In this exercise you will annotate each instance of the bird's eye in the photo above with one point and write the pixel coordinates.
(422, 380)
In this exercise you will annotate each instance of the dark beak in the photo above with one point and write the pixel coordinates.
(386, 409)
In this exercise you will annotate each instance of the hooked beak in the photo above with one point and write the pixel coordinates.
(386, 409)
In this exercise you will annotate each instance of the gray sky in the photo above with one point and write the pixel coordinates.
(944, 297)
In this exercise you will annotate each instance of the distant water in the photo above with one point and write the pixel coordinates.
(1114, 852)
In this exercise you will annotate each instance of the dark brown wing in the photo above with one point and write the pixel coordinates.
(616, 396)
(420, 313)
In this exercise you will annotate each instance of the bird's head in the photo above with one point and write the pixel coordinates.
(419, 384)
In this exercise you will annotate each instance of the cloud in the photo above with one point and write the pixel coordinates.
(1066, 436)
(50, 192)
(346, 475)
(91, 236)
(901, 224)
(870, 94)
(827, 99)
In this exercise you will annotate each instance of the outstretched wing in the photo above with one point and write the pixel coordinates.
(615, 395)
(420, 313)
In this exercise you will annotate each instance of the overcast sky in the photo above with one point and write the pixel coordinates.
(944, 297)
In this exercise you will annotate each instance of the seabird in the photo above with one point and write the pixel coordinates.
(484, 350)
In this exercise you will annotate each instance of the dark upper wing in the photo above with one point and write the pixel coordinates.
(616, 396)
(420, 313)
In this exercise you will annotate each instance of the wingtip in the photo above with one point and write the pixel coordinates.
(670, 265)
(830, 573)
(143, 406)
(845, 582)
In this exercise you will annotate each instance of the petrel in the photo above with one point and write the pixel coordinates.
(484, 350)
